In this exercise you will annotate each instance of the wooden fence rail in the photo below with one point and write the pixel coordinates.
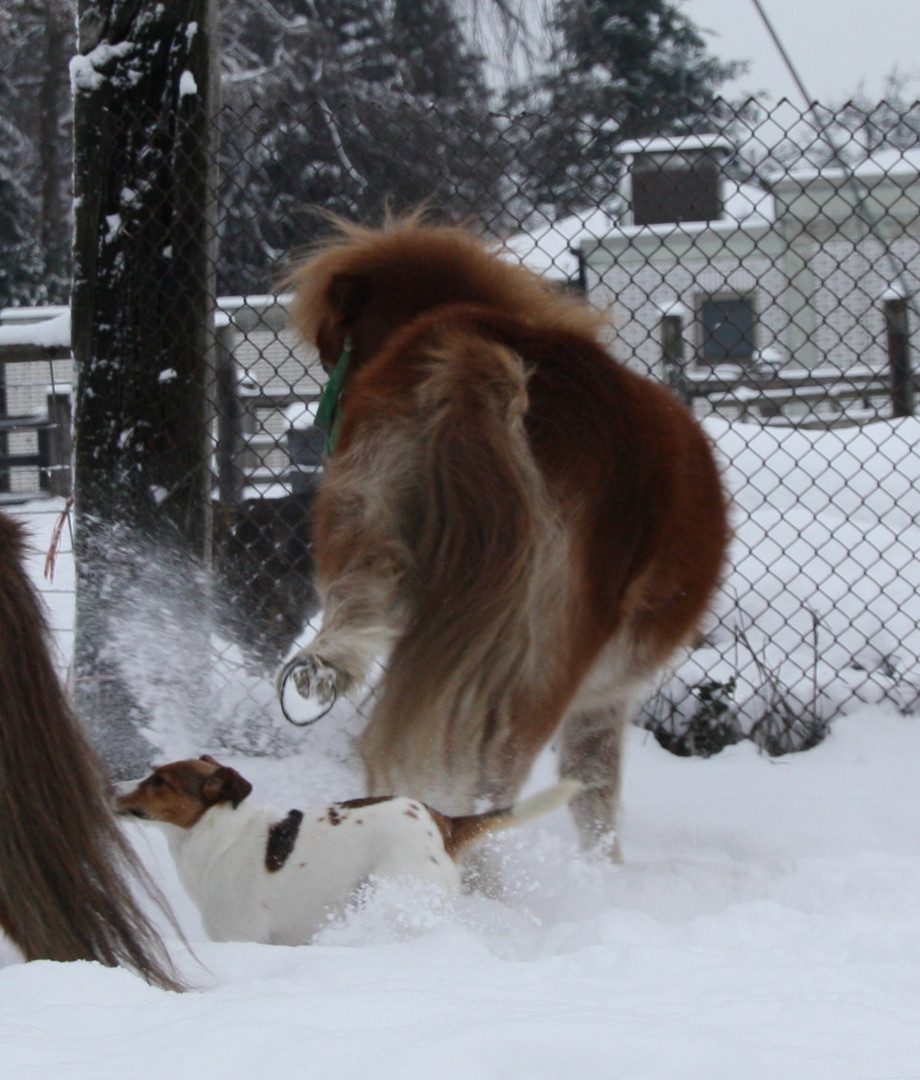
(810, 398)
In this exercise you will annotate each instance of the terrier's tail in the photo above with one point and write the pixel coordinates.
(461, 832)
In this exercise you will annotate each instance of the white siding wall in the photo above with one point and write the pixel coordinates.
(818, 287)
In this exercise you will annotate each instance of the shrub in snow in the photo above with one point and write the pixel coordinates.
(700, 723)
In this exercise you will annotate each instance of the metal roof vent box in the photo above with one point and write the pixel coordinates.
(673, 180)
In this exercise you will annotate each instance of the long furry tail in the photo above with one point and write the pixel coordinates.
(65, 867)
(467, 656)
(467, 830)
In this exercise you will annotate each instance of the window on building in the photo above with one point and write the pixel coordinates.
(728, 329)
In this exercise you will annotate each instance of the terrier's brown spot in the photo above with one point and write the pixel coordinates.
(371, 800)
(281, 839)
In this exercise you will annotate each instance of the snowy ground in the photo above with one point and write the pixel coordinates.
(765, 924)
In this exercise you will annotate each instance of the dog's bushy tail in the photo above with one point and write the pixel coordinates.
(461, 832)
(466, 661)
(65, 868)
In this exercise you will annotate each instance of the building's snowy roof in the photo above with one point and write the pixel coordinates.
(32, 326)
(664, 144)
(884, 164)
(550, 249)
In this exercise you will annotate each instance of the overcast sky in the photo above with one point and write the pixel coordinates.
(834, 44)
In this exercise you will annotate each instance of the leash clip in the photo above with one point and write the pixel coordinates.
(289, 671)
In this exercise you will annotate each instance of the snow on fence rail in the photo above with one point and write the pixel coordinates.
(816, 398)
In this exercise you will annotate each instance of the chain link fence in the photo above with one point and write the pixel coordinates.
(765, 268)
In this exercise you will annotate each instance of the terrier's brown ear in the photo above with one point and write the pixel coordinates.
(226, 785)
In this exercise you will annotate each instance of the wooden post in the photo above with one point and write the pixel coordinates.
(4, 442)
(672, 356)
(142, 330)
(897, 328)
(230, 476)
(60, 444)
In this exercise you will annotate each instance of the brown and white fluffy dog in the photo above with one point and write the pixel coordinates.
(258, 874)
(524, 528)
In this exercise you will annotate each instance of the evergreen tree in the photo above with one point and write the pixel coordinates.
(621, 69)
(20, 256)
(36, 42)
(436, 59)
(347, 105)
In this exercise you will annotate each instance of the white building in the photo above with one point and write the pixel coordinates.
(792, 275)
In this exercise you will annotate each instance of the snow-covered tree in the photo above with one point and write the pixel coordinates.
(36, 42)
(347, 105)
(21, 261)
(846, 133)
(620, 69)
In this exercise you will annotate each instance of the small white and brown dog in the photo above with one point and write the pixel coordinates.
(258, 874)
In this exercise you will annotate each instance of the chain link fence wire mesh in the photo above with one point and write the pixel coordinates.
(765, 266)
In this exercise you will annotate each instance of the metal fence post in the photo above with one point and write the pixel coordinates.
(896, 325)
(229, 450)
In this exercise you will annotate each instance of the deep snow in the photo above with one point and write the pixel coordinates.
(765, 924)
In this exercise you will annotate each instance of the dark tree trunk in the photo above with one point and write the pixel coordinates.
(143, 302)
(53, 144)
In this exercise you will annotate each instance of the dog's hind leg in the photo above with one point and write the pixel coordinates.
(591, 750)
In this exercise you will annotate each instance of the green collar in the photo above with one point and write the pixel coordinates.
(328, 413)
